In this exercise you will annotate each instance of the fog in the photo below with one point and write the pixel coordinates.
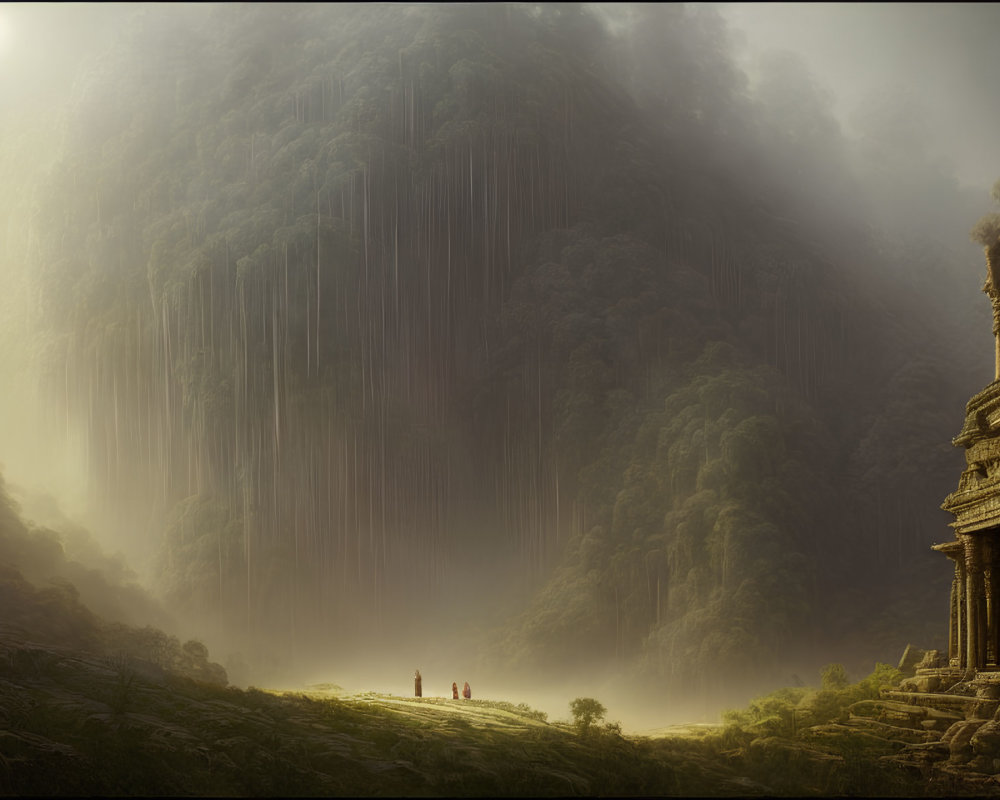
(937, 55)
(339, 453)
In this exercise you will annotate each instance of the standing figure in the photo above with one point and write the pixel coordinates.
(454, 691)
(418, 689)
(466, 691)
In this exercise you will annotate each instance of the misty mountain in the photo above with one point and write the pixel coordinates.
(380, 320)
(50, 597)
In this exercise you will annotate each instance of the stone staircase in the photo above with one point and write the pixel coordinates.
(951, 728)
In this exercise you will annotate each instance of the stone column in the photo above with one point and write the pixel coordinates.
(954, 619)
(957, 623)
(991, 579)
(990, 640)
(996, 349)
(975, 633)
(961, 620)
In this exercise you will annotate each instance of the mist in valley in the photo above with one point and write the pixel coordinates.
(565, 349)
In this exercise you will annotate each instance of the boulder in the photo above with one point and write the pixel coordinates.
(958, 738)
(986, 740)
(985, 764)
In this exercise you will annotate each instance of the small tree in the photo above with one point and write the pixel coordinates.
(834, 676)
(586, 711)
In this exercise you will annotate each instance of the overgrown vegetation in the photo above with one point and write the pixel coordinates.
(788, 711)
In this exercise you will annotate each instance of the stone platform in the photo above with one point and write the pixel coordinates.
(941, 720)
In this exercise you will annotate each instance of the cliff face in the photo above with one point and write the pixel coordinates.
(358, 312)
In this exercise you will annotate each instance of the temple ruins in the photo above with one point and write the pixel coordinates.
(974, 628)
(942, 720)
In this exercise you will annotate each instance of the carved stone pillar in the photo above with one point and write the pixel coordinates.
(961, 618)
(958, 624)
(991, 648)
(955, 619)
(991, 579)
(975, 649)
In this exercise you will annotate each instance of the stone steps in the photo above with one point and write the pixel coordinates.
(896, 733)
(956, 703)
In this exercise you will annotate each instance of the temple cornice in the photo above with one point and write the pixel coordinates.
(982, 417)
(974, 509)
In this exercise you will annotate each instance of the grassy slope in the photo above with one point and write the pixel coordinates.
(76, 724)
(91, 708)
(73, 723)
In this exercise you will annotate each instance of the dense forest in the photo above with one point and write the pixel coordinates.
(369, 319)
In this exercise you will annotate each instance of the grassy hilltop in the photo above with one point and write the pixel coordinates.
(80, 724)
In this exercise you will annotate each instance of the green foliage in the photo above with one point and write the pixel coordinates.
(787, 711)
(775, 714)
(698, 561)
(833, 677)
(586, 711)
(772, 732)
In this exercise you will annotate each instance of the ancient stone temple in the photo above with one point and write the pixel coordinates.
(944, 716)
(974, 630)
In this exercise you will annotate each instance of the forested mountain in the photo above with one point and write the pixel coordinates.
(360, 313)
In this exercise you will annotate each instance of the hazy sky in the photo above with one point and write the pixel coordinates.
(943, 55)
(42, 44)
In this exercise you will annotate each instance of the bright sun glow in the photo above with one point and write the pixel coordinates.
(6, 34)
